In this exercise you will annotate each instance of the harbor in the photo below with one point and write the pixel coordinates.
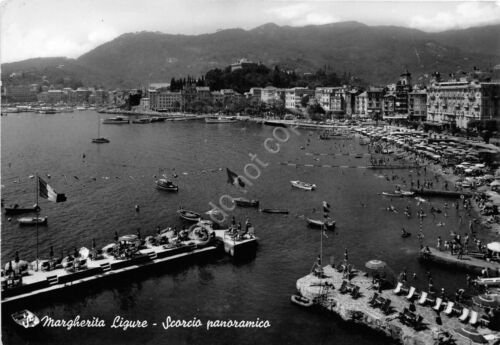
(126, 171)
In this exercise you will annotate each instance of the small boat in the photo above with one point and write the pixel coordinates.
(495, 281)
(18, 210)
(406, 234)
(303, 185)
(100, 141)
(157, 119)
(189, 215)
(274, 210)
(395, 195)
(246, 203)
(358, 155)
(117, 120)
(142, 120)
(220, 119)
(319, 224)
(404, 192)
(32, 220)
(301, 300)
(164, 184)
(25, 318)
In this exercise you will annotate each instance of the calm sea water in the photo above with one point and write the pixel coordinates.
(103, 184)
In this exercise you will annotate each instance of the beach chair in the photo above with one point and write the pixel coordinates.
(474, 316)
(423, 298)
(437, 306)
(373, 300)
(465, 315)
(449, 308)
(411, 293)
(397, 290)
(386, 307)
(343, 287)
(355, 292)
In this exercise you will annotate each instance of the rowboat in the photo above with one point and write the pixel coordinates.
(301, 300)
(32, 220)
(164, 184)
(100, 141)
(117, 120)
(404, 192)
(274, 210)
(303, 185)
(246, 203)
(18, 210)
(394, 195)
(25, 318)
(319, 224)
(495, 281)
(189, 215)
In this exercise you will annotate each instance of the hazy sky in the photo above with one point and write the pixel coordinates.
(40, 28)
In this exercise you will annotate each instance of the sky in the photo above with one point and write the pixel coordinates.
(70, 28)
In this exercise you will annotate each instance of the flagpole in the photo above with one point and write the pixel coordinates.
(37, 217)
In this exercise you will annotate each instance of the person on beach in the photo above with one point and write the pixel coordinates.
(439, 243)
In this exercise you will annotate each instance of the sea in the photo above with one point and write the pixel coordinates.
(110, 188)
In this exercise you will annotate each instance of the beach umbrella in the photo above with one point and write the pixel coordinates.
(128, 238)
(375, 264)
(487, 301)
(494, 246)
(17, 266)
(84, 253)
(495, 183)
(471, 334)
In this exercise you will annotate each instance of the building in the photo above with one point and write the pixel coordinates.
(403, 88)
(54, 96)
(388, 106)
(361, 104)
(375, 100)
(417, 104)
(164, 100)
(20, 93)
(456, 102)
(293, 96)
(269, 94)
(242, 63)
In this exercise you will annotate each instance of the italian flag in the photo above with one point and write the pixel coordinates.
(47, 192)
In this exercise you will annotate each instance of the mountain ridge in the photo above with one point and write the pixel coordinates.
(376, 54)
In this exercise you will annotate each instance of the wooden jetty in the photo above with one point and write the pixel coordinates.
(38, 283)
(467, 262)
(441, 193)
(398, 166)
(236, 245)
(358, 310)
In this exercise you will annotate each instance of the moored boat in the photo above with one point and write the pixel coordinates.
(19, 210)
(189, 215)
(32, 220)
(494, 281)
(404, 192)
(274, 210)
(117, 120)
(395, 195)
(142, 120)
(303, 185)
(100, 141)
(301, 300)
(220, 119)
(164, 184)
(329, 224)
(25, 318)
(246, 202)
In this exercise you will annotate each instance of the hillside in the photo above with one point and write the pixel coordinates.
(375, 53)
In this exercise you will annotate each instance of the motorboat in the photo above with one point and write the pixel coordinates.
(164, 184)
(301, 300)
(157, 119)
(394, 195)
(189, 215)
(329, 224)
(32, 220)
(100, 141)
(303, 185)
(117, 120)
(142, 120)
(358, 155)
(404, 192)
(25, 318)
(494, 281)
(274, 210)
(19, 210)
(246, 203)
(220, 119)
